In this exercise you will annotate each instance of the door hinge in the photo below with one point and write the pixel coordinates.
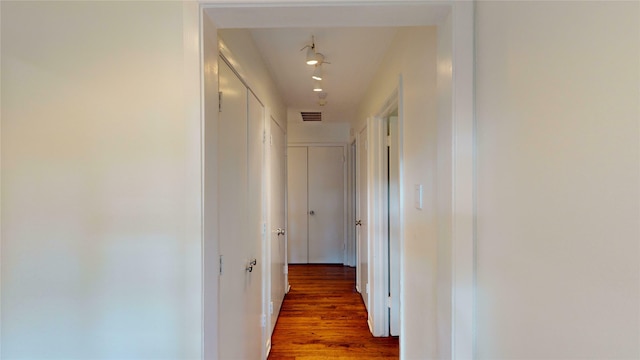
(389, 140)
(221, 263)
(264, 137)
(389, 302)
(263, 320)
(219, 101)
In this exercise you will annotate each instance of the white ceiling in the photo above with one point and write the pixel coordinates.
(353, 37)
(354, 53)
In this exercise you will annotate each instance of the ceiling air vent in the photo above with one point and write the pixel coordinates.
(311, 116)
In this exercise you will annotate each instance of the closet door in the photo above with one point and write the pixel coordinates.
(297, 205)
(233, 232)
(240, 179)
(326, 204)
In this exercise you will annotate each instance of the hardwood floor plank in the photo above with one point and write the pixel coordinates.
(323, 317)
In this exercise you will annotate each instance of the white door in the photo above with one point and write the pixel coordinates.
(394, 227)
(277, 200)
(326, 165)
(232, 180)
(239, 183)
(362, 222)
(297, 205)
(316, 198)
(255, 222)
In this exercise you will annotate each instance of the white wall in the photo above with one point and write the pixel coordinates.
(101, 242)
(316, 132)
(413, 55)
(558, 263)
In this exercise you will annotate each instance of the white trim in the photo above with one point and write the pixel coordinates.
(209, 143)
(463, 158)
(268, 347)
(351, 253)
(377, 227)
(378, 205)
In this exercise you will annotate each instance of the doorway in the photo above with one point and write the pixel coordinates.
(462, 38)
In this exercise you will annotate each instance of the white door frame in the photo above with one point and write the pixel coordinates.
(364, 217)
(350, 251)
(463, 158)
(378, 206)
(377, 227)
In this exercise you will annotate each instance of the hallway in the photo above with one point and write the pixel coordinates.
(323, 317)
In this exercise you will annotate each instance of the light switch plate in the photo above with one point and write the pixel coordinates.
(418, 196)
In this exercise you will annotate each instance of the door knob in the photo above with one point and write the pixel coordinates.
(358, 222)
(312, 212)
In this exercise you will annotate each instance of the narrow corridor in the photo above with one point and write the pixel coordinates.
(323, 316)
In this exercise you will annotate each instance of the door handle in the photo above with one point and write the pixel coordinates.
(312, 212)
(252, 263)
(358, 222)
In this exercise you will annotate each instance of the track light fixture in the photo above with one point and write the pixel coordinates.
(311, 52)
(322, 99)
(317, 59)
(317, 86)
(317, 72)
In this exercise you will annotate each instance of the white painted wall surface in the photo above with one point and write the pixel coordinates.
(413, 55)
(558, 263)
(315, 132)
(101, 244)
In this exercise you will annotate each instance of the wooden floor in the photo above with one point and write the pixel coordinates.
(323, 317)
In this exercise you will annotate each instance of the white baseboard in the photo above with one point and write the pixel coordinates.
(268, 347)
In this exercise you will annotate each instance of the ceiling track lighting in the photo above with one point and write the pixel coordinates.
(317, 59)
(317, 72)
(317, 86)
(322, 99)
(311, 52)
